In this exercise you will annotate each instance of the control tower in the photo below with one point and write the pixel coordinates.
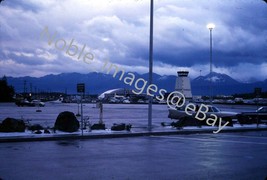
(183, 84)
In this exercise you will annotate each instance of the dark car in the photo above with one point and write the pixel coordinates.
(30, 104)
(24, 103)
(256, 117)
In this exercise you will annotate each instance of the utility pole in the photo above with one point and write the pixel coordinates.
(150, 80)
(24, 87)
(211, 27)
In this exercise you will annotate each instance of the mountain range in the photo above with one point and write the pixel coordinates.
(96, 83)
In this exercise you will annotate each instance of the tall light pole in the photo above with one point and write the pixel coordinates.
(210, 26)
(150, 65)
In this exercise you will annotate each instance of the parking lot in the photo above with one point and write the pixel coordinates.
(195, 156)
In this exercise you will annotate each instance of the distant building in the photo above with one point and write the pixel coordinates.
(121, 95)
(114, 92)
(183, 84)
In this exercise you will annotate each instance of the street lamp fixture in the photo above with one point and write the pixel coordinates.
(211, 26)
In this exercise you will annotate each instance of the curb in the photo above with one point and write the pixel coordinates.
(121, 135)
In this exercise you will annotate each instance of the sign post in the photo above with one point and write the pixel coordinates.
(257, 92)
(81, 90)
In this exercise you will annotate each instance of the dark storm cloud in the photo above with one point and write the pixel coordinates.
(118, 31)
(22, 4)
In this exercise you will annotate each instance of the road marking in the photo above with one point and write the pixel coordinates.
(206, 139)
(226, 135)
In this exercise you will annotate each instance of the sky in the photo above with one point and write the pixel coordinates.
(118, 31)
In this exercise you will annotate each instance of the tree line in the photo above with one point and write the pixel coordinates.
(6, 92)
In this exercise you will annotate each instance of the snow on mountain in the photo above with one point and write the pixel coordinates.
(215, 78)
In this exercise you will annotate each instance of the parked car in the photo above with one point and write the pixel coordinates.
(180, 113)
(24, 103)
(30, 103)
(256, 117)
(38, 103)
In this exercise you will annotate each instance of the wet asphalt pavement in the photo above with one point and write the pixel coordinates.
(195, 156)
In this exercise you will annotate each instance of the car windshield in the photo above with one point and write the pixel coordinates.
(215, 109)
(262, 109)
(210, 109)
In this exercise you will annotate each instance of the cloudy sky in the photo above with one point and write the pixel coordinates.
(118, 31)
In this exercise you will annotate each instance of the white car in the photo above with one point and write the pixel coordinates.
(180, 113)
(38, 103)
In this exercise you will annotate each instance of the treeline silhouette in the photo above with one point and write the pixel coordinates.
(6, 92)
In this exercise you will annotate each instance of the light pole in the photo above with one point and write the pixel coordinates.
(210, 26)
(150, 65)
